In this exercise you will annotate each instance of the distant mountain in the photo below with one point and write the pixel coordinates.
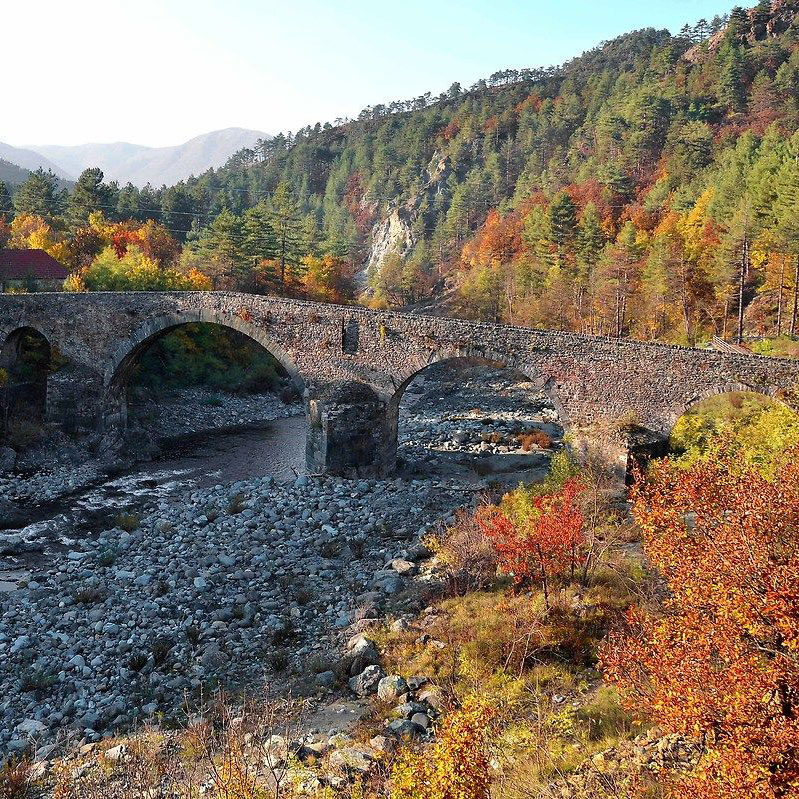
(31, 160)
(12, 175)
(156, 165)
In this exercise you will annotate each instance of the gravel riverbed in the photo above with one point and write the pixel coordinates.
(217, 582)
(201, 592)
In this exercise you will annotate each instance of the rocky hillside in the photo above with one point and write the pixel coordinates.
(565, 196)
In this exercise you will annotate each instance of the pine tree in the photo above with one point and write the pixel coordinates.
(563, 219)
(731, 89)
(590, 243)
(39, 195)
(90, 194)
(6, 203)
(258, 237)
(287, 225)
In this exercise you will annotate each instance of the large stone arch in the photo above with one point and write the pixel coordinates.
(472, 355)
(127, 352)
(119, 367)
(482, 357)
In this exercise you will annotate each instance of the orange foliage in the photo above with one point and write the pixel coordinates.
(640, 217)
(720, 659)
(354, 193)
(497, 241)
(532, 101)
(591, 191)
(329, 279)
(451, 130)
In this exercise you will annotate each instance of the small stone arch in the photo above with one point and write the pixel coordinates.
(11, 341)
(731, 388)
(771, 392)
(119, 367)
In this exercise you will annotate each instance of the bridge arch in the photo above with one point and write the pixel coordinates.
(731, 388)
(124, 357)
(26, 356)
(123, 360)
(14, 340)
(495, 363)
(482, 358)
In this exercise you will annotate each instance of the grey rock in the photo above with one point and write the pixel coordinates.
(391, 688)
(366, 682)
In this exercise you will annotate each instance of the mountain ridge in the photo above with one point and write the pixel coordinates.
(140, 164)
(31, 160)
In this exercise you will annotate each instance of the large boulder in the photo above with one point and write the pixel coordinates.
(391, 688)
(362, 653)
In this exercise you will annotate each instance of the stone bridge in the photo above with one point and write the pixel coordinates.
(353, 364)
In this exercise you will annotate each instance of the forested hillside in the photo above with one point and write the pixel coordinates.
(647, 188)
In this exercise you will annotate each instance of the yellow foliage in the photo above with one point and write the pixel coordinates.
(759, 428)
(75, 283)
(457, 766)
(134, 271)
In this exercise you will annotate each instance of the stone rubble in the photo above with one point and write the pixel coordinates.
(187, 410)
(208, 590)
(473, 416)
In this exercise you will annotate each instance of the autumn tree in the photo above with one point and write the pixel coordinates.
(719, 658)
(540, 539)
(457, 766)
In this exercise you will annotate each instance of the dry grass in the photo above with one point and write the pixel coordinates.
(470, 559)
(16, 780)
(128, 521)
(230, 751)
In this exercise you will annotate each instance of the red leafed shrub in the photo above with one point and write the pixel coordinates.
(545, 542)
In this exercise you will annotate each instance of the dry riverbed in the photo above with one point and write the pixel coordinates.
(218, 579)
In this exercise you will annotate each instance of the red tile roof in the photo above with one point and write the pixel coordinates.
(21, 264)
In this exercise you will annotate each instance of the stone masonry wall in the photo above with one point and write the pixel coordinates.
(590, 379)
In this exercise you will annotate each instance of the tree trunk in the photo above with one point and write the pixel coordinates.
(739, 337)
(726, 317)
(795, 295)
(779, 297)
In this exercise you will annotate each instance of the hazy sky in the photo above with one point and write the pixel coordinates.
(158, 72)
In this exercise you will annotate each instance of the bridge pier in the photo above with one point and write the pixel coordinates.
(349, 432)
(74, 400)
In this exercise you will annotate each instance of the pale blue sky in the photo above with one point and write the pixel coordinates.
(160, 71)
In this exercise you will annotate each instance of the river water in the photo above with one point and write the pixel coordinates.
(276, 448)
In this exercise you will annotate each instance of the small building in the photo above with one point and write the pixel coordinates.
(31, 270)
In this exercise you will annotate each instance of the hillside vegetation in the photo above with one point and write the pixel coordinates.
(647, 188)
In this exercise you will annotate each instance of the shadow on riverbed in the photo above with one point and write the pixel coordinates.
(31, 531)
